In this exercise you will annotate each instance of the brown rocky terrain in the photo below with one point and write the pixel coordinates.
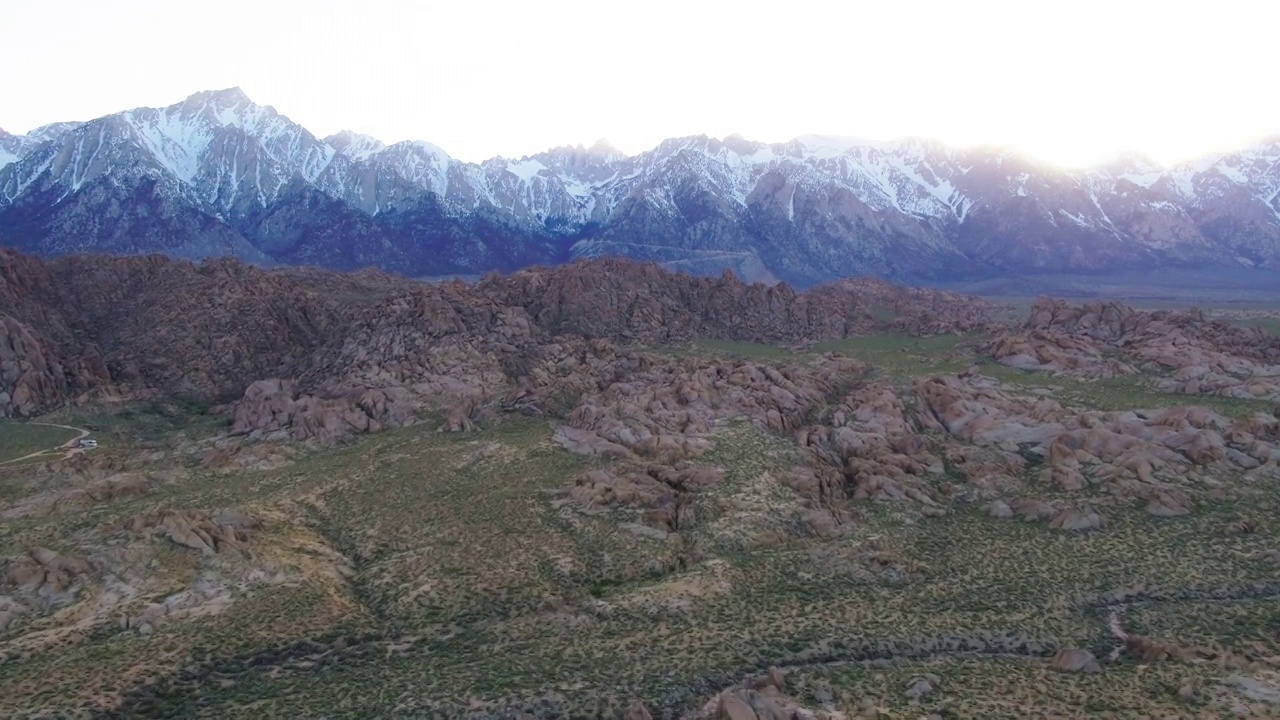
(1194, 354)
(79, 327)
(82, 326)
(445, 490)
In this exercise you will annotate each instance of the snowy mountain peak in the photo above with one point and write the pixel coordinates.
(230, 107)
(580, 167)
(741, 145)
(10, 147)
(833, 145)
(232, 96)
(51, 131)
(1133, 167)
(599, 151)
(1266, 145)
(808, 209)
(1133, 162)
(604, 147)
(218, 148)
(918, 146)
(419, 147)
(355, 145)
(672, 146)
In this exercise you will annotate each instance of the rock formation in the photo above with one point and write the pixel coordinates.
(1195, 355)
(207, 533)
(45, 575)
(352, 352)
(1075, 661)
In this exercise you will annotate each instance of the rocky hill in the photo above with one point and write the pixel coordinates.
(557, 507)
(81, 327)
(1195, 354)
(219, 175)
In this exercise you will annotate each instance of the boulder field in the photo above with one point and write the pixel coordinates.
(1194, 355)
(80, 328)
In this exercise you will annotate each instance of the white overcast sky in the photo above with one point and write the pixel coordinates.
(1068, 82)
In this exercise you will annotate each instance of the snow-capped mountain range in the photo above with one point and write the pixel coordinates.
(218, 174)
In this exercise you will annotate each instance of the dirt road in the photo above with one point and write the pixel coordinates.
(69, 447)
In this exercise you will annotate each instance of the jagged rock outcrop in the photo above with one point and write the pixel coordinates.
(31, 377)
(1163, 458)
(1050, 351)
(866, 445)
(276, 407)
(373, 344)
(1075, 660)
(667, 410)
(133, 327)
(876, 446)
(45, 575)
(1077, 519)
(208, 533)
(626, 301)
(1193, 354)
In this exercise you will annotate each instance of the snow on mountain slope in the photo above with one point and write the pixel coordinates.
(78, 156)
(14, 147)
(197, 142)
(419, 162)
(223, 148)
(354, 145)
(1257, 169)
(52, 131)
(811, 201)
(10, 147)
(830, 146)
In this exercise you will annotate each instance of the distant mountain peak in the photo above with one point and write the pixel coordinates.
(1135, 160)
(51, 131)
(423, 146)
(835, 144)
(354, 145)
(227, 96)
(806, 210)
(921, 144)
(603, 147)
(1270, 142)
(230, 106)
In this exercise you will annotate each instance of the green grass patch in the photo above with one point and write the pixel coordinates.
(894, 354)
(18, 439)
(1270, 324)
(1132, 392)
(711, 347)
(901, 355)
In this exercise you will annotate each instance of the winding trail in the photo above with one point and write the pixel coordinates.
(691, 694)
(976, 644)
(69, 447)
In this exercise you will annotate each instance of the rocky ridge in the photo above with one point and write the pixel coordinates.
(1195, 354)
(80, 327)
(580, 347)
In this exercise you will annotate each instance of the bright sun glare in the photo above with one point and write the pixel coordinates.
(1069, 83)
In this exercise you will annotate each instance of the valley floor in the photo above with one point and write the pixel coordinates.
(1224, 289)
(417, 573)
